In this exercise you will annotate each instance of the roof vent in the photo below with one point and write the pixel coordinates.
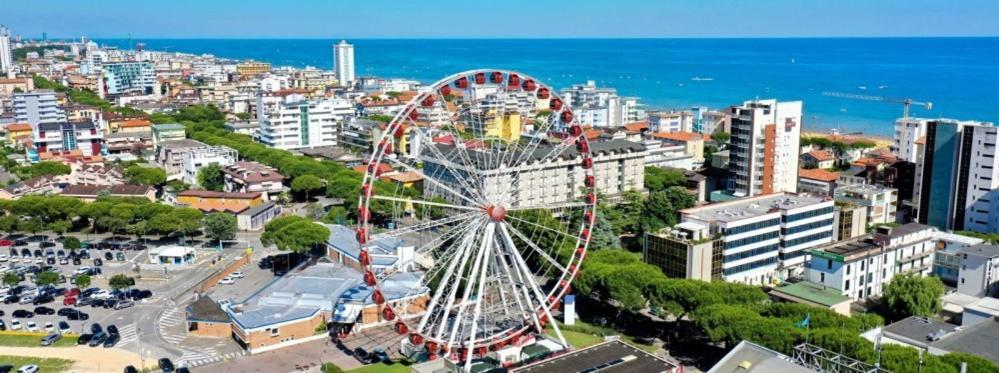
(745, 365)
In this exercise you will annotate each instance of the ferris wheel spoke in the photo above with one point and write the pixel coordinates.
(460, 257)
(480, 294)
(432, 245)
(532, 245)
(428, 203)
(433, 180)
(536, 225)
(470, 283)
(425, 225)
(519, 262)
(428, 143)
(555, 152)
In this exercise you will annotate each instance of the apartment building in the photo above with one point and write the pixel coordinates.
(850, 221)
(304, 124)
(763, 151)
(688, 250)
(979, 272)
(910, 136)
(881, 203)
(194, 159)
(601, 107)
(343, 57)
(947, 258)
(765, 238)
(37, 107)
(861, 267)
(253, 68)
(618, 166)
(246, 177)
(68, 136)
(957, 176)
(129, 78)
(671, 121)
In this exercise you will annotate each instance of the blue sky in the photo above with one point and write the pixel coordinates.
(508, 18)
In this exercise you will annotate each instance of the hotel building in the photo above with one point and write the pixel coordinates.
(304, 124)
(763, 152)
(343, 57)
(129, 78)
(37, 107)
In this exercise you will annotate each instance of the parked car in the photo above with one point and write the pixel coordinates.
(227, 281)
(84, 338)
(111, 340)
(42, 299)
(44, 311)
(30, 368)
(23, 314)
(120, 256)
(15, 324)
(31, 326)
(4, 258)
(98, 339)
(49, 327)
(13, 298)
(96, 328)
(121, 304)
(380, 355)
(362, 356)
(98, 262)
(63, 261)
(108, 255)
(51, 338)
(78, 316)
(237, 274)
(25, 299)
(131, 369)
(76, 261)
(69, 301)
(166, 365)
(3, 325)
(64, 327)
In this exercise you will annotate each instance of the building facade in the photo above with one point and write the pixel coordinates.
(6, 56)
(880, 202)
(763, 151)
(601, 107)
(68, 136)
(765, 238)
(37, 107)
(685, 251)
(253, 177)
(135, 78)
(192, 161)
(304, 124)
(979, 272)
(343, 55)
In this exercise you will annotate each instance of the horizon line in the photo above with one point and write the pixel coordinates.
(519, 37)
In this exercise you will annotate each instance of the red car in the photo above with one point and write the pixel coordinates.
(73, 292)
(6, 243)
(69, 301)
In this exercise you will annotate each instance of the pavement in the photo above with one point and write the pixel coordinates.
(305, 357)
(86, 359)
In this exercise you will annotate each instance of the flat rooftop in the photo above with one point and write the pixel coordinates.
(864, 189)
(598, 356)
(812, 292)
(745, 208)
(860, 245)
(748, 357)
(980, 339)
(915, 330)
(988, 251)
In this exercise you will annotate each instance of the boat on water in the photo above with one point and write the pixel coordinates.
(700, 79)
(862, 88)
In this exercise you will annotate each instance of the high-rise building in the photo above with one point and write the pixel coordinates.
(601, 107)
(6, 58)
(343, 57)
(910, 137)
(763, 153)
(37, 107)
(956, 176)
(295, 124)
(122, 78)
(764, 238)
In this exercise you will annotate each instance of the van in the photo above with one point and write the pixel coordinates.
(48, 340)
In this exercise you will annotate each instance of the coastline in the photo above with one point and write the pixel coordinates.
(880, 141)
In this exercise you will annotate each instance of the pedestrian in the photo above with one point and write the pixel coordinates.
(164, 270)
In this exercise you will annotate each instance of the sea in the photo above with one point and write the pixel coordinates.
(847, 84)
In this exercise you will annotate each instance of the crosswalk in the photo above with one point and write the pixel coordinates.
(170, 323)
(196, 359)
(128, 334)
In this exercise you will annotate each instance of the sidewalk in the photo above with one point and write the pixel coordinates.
(86, 359)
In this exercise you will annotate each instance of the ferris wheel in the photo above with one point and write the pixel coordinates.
(502, 222)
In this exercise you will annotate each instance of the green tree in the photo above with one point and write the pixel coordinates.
(431, 211)
(8, 223)
(721, 137)
(912, 295)
(60, 226)
(11, 279)
(657, 178)
(306, 184)
(120, 281)
(604, 236)
(220, 226)
(33, 225)
(82, 281)
(140, 175)
(71, 243)
(210, 177)
(46, 278)
(47, 168)
(294, 233)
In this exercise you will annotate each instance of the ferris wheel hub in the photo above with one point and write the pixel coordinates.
(496, 212)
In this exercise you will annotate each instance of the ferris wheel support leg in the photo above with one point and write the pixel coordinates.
(523, 287)
(468, 242)
(519, 261)
(487, 245)
(503, 299)
(463, 249)
(480, 257)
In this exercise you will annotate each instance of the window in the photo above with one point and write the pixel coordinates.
(822, 278)
(829, 264)
(274, 332)
(847, 287)
(847, 269)
(861, 265)
(962, 280)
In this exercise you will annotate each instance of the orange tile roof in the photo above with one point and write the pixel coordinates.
(636, 126)
(18, 127)
(592, 134)
(821, 155)
(382, 168)
(818, 174)
(404, 177)
(869, 161)
(678, 136)
(136, 123)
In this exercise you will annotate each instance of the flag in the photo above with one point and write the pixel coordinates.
(805, 322)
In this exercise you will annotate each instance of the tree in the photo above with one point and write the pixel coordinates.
(306, 184)
(82, 281)
(210, 178)
(657, 178)
(188, 220)
(47, 168)
(721, 137)
(294, 233)
(912, 295)
(430, 211)
(140, 175)
(60, 226)
(11, 279)
(604, 236)
(120, 281)
(220, 226)
(8, 223)
(33, 225)
(71, 243)
(46, 278)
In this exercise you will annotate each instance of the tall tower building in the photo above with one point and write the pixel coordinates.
(6, 58)
(764, 147)
(343, 60)
(957, 177)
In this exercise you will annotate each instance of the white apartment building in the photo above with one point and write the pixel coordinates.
(979, 272)
(194, 159)
(618, 166)
(910, 136)
(37, 107)
(663, 154)
(343, 57)
(765, 238)
(763, 151)
(861, 267)
(6, 56)
(880, 202)
(121, 78)
(671, 121)
(601, 107)
(304, 124)
(957, 175)
(273, 83)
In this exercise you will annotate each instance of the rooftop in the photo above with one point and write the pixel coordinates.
(748, 357)
(988, 251)
(813, 293)
(864, 189)
(182, 144)
(252, 172)
(818, 174)
(843, 250)
(746, 208)
(206, 309)
(916, 330)
(83, 190)
(211, 194)
(169, 126)
(979, 339)
(595, 357)
(821, 155)
(906, 229)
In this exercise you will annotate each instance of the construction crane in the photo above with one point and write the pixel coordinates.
(906, 102)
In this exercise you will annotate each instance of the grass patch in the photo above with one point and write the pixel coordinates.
(373, 368)
(584, 335)
(24, 339)
(44, 364)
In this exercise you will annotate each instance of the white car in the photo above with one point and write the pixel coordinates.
(82, 270)
(64, 330)
(15, 324)
(14, 259)
(32, 368)
(227, 281)
(4, 258)
(4, 268)
(39, 260)
(237, 274)
(49, 327)
(31, 326)
(103, 294)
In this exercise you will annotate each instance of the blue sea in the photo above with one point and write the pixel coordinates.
(959, 76)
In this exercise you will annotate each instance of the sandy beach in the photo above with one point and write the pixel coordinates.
(880, 141)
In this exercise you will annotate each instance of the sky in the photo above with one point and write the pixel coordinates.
(498, 19)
